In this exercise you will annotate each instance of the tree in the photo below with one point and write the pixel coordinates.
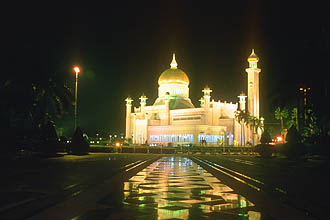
(50, 98)
(293, 136)
(292, 118)
(30, 103)
(311, 128)
(243, 118)
(79, 145)
(49, 140)
(281, 115)
(294, 148)
(265, 138)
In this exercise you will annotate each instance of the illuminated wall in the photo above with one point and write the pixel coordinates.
(210, 138)
(173, 90)
(187, 138)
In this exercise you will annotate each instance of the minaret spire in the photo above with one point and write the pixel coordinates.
(173, 63)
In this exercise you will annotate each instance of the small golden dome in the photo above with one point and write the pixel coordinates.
(173, 75)
(253, 57)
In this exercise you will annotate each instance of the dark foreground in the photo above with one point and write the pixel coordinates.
(146, 186)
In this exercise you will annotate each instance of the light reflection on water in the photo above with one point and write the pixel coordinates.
(176, 187)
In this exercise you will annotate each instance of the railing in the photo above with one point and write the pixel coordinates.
(227, 150)
(215, 150)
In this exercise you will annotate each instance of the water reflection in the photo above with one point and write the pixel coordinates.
(178, 188)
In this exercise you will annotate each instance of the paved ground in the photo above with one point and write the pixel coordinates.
(127, 186)
(303, 184)
(172, 187)
(29, 185)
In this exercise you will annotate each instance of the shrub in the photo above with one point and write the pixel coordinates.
(264, 150)
(265, 138)
(49, 141)
(293, 148)
(79, 145)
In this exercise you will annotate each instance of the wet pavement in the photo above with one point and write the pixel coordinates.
(174, 188)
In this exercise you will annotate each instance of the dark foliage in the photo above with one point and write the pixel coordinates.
(293, 135)
(293, 148)
(265, 138)
(78, 146)
(264, 150)
(49, 141)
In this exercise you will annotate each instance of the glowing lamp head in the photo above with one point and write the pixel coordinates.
(76, 69)
(117, 144)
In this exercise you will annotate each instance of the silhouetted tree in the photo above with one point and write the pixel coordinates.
(49, 139)
(78, 145)
(265, 138)
(293, 136)
(294, 148)
(281, 114)
(29, 104)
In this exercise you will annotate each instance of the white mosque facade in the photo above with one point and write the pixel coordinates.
(174, 119)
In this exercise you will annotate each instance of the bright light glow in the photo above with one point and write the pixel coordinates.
(117, 144)
(76, 69)
(173, 63)
(279, 139)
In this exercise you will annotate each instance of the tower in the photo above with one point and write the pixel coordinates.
(128, 117)
(253, 84)
(143, 102)
(207, 96)
(242, 101)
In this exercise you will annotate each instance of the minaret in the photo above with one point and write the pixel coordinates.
(242, 101)
(128, 116)
(253, 84)
(207, 96)
(202, 102)
(143, 102)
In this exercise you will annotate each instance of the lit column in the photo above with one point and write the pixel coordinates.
(207, 96)
(134, 129)
(143, 102)
(146, 129)
(77, 71)
(242, 101)
(202, 101)
(302, 111)
(167, 107)
(253, 84)
(128, 117)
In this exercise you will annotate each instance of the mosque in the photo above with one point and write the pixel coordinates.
(173, 119)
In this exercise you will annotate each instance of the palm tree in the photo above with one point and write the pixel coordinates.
(50, 98)
(292, 119)
(29, 104)
(239, 118)
(242, 117)
(281, 115)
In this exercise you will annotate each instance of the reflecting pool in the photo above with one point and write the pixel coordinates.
(178, 188)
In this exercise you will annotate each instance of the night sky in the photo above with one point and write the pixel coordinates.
(123, 48)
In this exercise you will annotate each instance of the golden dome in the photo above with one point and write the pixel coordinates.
(253, 57)
(173, 75)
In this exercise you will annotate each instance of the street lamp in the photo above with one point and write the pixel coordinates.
(77, 71)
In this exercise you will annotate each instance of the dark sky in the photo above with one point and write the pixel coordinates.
(123, 48)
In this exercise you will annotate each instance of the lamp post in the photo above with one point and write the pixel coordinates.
(77, 71)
